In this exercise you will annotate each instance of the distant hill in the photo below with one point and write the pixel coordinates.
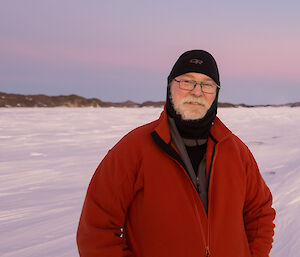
(18, 100)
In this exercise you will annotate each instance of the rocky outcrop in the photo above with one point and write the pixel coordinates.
(152, 104)
(18, 100)
(297, 104)
(226, 105)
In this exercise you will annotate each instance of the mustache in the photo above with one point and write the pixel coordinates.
(194, 100)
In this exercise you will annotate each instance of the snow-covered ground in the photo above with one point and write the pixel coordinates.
(47, 157)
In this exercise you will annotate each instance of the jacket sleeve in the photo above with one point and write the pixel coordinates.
(103, 215)
(258, 212)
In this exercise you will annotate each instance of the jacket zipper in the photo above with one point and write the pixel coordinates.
(206, 242)
(196, 209)
(170, 151)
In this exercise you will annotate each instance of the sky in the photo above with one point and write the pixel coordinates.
(124, 50)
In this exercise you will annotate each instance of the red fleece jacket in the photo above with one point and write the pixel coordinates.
(140, 187)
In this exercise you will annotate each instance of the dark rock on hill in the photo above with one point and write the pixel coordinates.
(152, 104)
(297, 104)
(226, 105)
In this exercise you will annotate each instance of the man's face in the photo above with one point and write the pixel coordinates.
(191, 105)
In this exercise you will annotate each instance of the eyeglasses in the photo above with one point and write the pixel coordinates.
(189, 85)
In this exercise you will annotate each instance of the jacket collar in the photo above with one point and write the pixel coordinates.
(162, 128)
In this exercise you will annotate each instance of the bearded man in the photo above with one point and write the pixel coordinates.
(183, 185)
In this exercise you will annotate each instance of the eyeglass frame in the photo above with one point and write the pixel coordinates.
(200, 84)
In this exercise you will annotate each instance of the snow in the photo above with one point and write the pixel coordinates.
(48, 155)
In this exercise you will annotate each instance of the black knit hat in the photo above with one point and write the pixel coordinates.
(198, 61)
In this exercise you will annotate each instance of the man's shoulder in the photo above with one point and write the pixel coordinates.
(225, 134)
(138, 136)
(143, 130)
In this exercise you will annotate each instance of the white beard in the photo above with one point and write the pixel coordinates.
(190, 112)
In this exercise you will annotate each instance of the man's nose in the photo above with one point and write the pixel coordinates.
(197, 91)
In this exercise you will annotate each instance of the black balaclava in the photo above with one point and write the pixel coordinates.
(201, 62)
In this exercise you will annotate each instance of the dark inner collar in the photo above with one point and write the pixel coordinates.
(193, 142)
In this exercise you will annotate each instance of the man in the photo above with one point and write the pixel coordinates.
(183, 185)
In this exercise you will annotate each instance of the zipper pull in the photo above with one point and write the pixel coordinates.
(198, 185)
(207, 252)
